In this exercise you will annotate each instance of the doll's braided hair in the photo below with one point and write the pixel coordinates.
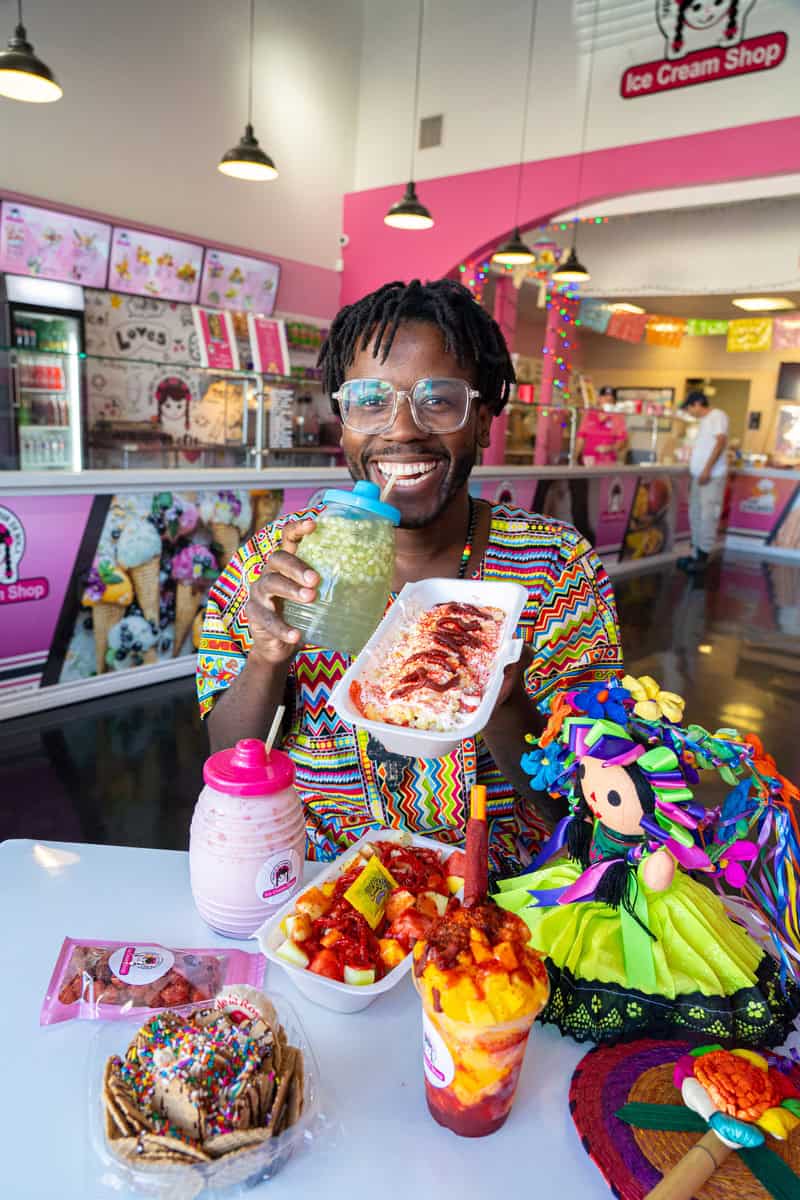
(614, 888)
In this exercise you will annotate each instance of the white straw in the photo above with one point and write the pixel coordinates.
(273, 731)
(387, 487)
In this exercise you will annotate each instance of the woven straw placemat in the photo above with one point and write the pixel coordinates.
(634, 1160)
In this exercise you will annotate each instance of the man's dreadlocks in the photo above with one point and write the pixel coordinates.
(470, 334)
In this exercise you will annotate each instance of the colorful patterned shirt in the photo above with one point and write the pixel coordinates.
(348, 782)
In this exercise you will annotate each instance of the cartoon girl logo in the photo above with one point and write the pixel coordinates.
(12, 545)
(173, 399)
(690, 25)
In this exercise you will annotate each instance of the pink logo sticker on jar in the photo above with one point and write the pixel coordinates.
(436, 1058)
(279, 875)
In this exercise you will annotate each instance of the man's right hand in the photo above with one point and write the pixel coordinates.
(284, 577)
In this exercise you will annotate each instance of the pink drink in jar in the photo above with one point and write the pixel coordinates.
(247, 839)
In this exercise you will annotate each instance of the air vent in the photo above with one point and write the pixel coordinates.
(430, 132)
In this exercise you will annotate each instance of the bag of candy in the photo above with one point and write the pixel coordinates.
(110, 981)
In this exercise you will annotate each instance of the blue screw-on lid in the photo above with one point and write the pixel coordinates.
(366, 497)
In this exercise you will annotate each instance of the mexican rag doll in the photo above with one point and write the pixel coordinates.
(634, 944)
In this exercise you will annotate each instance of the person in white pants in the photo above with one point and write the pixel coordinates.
(708, 468)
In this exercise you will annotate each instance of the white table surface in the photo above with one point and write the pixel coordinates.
(370, 1062)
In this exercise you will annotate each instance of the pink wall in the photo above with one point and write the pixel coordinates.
(304, 289)
(474, 211)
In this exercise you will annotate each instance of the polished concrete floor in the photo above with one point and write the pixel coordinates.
(127, 769)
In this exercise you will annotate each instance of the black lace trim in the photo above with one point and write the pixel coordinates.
(589, 1010)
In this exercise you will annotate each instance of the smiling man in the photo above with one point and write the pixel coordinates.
(416, 372)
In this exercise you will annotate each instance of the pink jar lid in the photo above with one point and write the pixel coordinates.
(247, 770)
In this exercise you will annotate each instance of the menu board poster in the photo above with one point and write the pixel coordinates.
(146, 264)
(234, 281)
(268, 343)
(53, 245)
(218, 348)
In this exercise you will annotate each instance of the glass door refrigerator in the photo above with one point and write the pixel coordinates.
(43, 427)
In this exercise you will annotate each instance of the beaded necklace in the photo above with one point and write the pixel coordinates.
(466, 553)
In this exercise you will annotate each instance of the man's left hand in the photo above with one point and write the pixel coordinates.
(703, 478)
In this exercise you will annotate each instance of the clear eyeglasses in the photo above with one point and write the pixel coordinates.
(437, 405)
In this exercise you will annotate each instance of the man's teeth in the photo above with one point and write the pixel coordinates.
(405, 471)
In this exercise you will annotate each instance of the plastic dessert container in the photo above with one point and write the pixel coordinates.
(231, 1175)
(414, 599)
(330, 993)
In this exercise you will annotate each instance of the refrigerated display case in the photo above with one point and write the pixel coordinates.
(42, 428)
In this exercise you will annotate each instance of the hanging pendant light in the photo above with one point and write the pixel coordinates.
(514, 252)
(410, 212)
(572, 270)
(247, 160)
(23, 76)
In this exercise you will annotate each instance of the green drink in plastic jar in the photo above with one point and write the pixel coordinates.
(352, 550)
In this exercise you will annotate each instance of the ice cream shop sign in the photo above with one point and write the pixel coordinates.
(704, 41)
(12, 547)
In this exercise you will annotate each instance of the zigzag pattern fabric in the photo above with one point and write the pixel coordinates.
(347, 788)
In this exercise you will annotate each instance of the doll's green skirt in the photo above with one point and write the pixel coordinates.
(712, 980)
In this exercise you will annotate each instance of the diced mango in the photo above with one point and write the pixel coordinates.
(392, 953)
(481, 953)
(455, 883)
(313, 903)
(504, 953)
(398, 902)
(328, 888)
(477, 935)
(330, 938)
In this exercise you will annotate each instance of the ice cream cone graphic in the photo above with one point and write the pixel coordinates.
(146, 586)
(188, 599)
(228, 515)
(108, 593)
(227, 538)
(104, 617)
(266, 506)
(194, 569)
(139, 550)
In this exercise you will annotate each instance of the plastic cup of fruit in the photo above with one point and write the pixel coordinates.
(471, 1070)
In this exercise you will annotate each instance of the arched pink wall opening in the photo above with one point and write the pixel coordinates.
(474, 211)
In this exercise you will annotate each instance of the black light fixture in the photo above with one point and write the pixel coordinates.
(572, 270)
(514, 252)
(23, 76)
(410, 212)
(247, 160)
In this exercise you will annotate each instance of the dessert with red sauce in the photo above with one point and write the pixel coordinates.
(361, 925)
(433, 673)
(481, 988)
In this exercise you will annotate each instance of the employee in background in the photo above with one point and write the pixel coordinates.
(708, 468)
(602, 436)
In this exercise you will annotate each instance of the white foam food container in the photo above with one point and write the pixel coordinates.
(330, 993)
(416, 598)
